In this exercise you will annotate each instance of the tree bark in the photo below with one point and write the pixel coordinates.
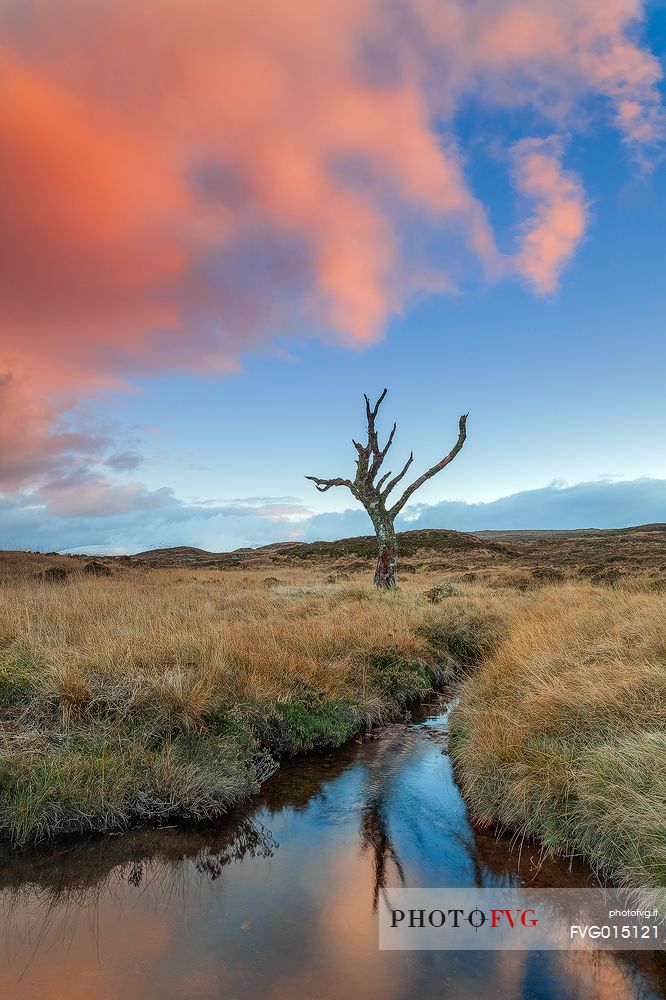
(387, 558)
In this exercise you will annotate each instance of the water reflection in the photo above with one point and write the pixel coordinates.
(280, 901)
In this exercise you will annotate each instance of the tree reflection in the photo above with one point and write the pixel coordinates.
(376, 838)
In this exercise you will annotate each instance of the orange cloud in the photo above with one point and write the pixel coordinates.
(87, 206)
(551, 235)
(176, 188)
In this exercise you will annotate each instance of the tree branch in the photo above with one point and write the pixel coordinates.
(325, 484)
(462, 434)
(394, 482)
(372, 413)
(380, 455)
(369, 471)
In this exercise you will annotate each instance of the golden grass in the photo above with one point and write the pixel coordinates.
(226, 633)
(154, 693)
(117, 693)
(562, 731)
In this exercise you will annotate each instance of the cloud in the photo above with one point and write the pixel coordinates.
(552, 233)
(131, 518)
(596, 504)
(124, 461)
(242, 169)
(33, 436)
(104, 517)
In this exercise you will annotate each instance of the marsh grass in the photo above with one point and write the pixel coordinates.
(169, 693)
(156, 693)
(562, 732)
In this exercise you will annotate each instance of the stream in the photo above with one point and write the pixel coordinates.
(279, 902)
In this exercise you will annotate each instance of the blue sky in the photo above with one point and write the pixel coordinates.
(564, 384)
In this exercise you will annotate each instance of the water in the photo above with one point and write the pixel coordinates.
(280, 901)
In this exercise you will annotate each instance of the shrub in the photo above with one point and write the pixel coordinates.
(54, 574)
(441, 591)
(306, 723)
(96, 568)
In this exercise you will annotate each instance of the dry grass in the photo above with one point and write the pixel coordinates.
(193, 638)
(561, 733)
(168, 692)
(154, 693)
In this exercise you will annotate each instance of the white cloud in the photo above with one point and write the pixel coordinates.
(158, 518)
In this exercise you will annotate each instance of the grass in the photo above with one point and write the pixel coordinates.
(162, 693)
(561, 734)
(154, 694)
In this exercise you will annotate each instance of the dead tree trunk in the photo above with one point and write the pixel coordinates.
(388, 554)
(374, 494)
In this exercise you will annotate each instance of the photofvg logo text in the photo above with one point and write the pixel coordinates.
(518, 919)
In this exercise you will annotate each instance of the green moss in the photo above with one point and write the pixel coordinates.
(234, 723)
(306, 723)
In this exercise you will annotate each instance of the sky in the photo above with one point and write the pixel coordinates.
(222, 223)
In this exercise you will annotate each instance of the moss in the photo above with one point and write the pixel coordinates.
(315, 722)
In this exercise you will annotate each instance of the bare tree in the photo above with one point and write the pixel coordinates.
(374, 494)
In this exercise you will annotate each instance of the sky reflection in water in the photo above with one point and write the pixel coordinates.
(280, 902)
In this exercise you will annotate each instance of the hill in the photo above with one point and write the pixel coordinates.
(511, 557)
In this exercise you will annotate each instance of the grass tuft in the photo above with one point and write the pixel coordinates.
(561, 732)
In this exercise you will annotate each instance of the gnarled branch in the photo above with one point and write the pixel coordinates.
(382, 481)
(367, 470)
(325, 484)
(394, 482)
(462, 434)
(380, 454)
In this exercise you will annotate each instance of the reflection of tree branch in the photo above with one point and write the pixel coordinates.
(470, 845)
(382, 771)
(63, 886)
(56, 889)
(375, 837)
(251, 840)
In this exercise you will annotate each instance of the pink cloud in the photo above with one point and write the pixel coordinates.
(174, 189)
(552, 233)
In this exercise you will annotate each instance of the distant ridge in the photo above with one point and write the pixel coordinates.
(410, 542)
(511, 557)
(590, 552)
